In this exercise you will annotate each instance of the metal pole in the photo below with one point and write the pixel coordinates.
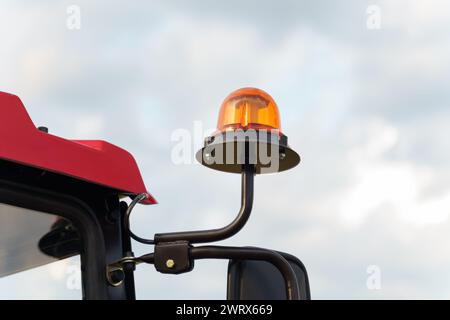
(228, 231)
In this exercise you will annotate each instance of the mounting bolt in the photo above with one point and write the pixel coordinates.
(170, 263)
(43, 129)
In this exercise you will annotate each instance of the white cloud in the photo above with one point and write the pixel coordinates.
(395, 186)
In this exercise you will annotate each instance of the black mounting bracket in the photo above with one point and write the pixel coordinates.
(174, 253)
(173, 257)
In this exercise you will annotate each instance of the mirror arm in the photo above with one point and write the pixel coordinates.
(276, 259)
(230, 253)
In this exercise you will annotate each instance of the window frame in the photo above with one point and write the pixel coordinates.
(101, 239)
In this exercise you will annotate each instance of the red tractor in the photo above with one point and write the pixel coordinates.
(60, 198)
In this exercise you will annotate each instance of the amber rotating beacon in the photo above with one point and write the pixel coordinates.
(248, 135)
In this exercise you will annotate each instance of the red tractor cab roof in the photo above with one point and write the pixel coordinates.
(94, 161)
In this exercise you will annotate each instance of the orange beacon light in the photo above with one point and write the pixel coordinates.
(249, 108)
(248, 135)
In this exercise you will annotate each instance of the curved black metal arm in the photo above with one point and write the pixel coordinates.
(246, 253)
(225, 232)
(217, 252)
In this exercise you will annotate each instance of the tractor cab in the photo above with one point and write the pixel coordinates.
(61, 198)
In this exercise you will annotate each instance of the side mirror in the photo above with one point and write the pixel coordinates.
(260, 280)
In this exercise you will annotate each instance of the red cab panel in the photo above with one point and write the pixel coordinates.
(91, 160)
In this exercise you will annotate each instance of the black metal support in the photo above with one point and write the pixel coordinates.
(128, 250)
(217, 252)
(223, 233)
(174, 253)
(189, 254)
(111, 226)
(168, 260)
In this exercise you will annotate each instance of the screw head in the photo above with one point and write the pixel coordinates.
(43, 129)
(170, 263)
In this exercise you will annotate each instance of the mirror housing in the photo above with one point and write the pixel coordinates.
(260, 280)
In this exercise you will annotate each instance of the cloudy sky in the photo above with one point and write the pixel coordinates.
(362, 88)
